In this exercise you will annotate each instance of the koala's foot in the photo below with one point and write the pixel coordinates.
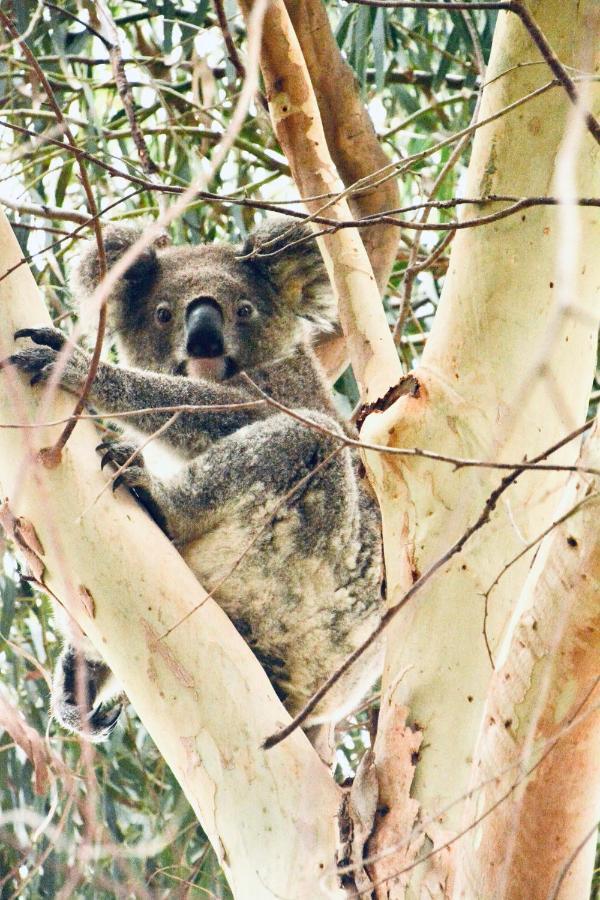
(85, 715)
(39, 361)
(135, 476)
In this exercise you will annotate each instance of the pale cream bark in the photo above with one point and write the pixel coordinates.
(201, 693)
(481, 395)
(540, 742)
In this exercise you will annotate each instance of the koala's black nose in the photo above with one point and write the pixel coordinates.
(204, 329)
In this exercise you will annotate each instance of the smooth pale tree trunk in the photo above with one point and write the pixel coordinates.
(201, 693)
(480, 392)
(354, 148)
(542, 716)
(297, 123)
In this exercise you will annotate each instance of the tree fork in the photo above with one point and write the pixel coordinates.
(201, 693)
(480, 393)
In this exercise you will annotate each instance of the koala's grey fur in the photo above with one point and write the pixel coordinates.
(309, 590)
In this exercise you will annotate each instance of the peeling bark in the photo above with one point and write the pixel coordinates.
(201, 694)
(393, 845)
(493, 323)
(297, 123)
(549, 680)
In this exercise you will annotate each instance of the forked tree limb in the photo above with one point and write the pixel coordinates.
(297, 122)
(201, 693)
(351, 138)
(353, 145)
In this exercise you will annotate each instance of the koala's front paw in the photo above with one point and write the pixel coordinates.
(39, 361)
(49, 337)
(135, 476)
(119, 454)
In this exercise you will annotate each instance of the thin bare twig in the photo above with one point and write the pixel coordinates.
(46, 212)
(124, 91)
(393, 611)
(232, 53)
(51, 456)
(184, 407)
(268, 519)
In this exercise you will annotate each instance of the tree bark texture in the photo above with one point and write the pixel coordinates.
(354, 148)
(542, 716)
(505, 374)
(202, 695)
(299, 129)
(351, 138)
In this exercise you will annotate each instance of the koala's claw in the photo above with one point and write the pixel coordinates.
(49, 337)
(41, 375)
(102, 721)
(37, 360)
(117, 453)
(132, 477)
(135, 477)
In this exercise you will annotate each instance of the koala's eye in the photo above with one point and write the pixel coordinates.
(163, 314)
(245, 310)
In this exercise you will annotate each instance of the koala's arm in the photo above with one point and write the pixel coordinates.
(117, 390)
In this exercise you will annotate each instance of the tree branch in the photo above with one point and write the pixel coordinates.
(297, 123)
(201, 694)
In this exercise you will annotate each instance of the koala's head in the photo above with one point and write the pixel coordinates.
(212, 310)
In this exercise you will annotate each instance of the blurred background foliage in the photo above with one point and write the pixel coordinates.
(119, 826)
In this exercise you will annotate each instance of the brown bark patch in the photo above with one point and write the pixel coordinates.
(409, 386)
(24, 535)
(158, 648)
(397, 753)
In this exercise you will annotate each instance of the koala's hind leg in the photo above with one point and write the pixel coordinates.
(78, 688)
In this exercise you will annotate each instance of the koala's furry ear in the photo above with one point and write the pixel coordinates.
(117, 239)
(288, 256)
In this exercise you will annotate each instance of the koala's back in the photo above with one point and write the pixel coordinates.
(298, 573)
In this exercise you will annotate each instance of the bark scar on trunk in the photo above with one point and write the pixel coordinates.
(409, 385)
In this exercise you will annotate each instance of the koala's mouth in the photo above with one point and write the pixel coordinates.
(216, 368)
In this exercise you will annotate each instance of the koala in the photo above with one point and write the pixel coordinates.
(187, 322)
